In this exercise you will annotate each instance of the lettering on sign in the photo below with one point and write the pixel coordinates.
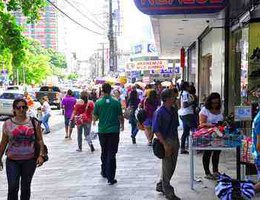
(170, 7)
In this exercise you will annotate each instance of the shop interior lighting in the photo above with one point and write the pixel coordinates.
(244, 18)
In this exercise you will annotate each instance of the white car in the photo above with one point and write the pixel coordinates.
(6, 103)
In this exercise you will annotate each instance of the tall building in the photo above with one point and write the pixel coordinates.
(45, 30)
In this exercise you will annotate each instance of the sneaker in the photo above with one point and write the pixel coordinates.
(66, 137)
(133, 140)
(172, 196)
(112, 182)
(159, 187)
(209, 176)
(46, 132)
(92, 148)
(79, 150)
(183, 151)
(216, 175)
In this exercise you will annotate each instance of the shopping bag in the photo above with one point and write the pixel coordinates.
(230, 189)
(94, 132)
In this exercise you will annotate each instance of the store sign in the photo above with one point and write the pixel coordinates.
(171, 7)
(147, 65)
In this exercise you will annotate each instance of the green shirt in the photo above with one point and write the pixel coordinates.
(108, 111)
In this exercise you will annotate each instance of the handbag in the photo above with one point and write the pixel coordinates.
(128, 112)
(82, 118)
(37, 145)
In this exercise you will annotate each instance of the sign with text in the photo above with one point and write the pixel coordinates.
(147, 65)
(243, 113)
(171, 7)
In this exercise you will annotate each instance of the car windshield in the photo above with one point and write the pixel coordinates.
(11, 96)
(50, 89)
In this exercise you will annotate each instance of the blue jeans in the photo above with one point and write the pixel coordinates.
(134, 129)
(16, 170)
(86, 128)
(188, 124)
(109, 147)
(45, 120)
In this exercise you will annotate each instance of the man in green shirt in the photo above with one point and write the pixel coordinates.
(109, 113)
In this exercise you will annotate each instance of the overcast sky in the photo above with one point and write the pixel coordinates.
(136, 27)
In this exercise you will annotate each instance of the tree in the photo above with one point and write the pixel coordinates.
(57, 59)
(11, 39)
(73, 76)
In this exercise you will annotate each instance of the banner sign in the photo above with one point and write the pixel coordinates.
(171, 7)
(147, 65)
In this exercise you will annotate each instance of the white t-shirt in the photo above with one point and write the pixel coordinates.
(185, 97)
(211, 118)
(46, 108)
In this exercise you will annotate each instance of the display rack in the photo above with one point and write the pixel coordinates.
(211, 143)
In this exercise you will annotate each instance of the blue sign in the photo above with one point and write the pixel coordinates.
(151, 48)
(172, 7)
(138, 49)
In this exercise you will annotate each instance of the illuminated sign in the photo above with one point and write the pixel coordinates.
(171, 7)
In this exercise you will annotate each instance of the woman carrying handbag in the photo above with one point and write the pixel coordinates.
(21, 137)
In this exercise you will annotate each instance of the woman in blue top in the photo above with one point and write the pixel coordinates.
(256, 141)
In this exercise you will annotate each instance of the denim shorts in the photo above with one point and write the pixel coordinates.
(67, 122)
(148, 122)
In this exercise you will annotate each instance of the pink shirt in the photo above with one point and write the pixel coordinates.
(21, 139)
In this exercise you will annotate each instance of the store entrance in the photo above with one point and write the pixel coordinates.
(205, 76)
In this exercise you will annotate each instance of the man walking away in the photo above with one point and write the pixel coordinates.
(165, 126)
(68, 103)
(109, 113)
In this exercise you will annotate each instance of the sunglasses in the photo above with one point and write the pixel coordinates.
(21, 107)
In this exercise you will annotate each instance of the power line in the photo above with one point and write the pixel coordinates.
(74, 19)
(80, 4)
(102, 27)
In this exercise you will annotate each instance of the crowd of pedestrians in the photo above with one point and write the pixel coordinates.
(163, 106)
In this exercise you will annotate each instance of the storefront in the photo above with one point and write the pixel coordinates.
(211, 62)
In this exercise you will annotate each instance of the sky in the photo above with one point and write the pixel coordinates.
(136, 27)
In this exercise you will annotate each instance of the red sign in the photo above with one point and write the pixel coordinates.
(171, 7)
(182, 57)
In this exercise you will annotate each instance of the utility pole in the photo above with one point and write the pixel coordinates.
(103, 61)
(112, 66)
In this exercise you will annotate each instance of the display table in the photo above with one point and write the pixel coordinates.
(194, 148)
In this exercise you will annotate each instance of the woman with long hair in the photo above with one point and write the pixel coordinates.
(186, 114)
(133, 102)
(20, 134)
(82, 117)
(150, 104)
(209, 116)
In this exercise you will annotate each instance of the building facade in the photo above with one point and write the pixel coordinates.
(46, 30)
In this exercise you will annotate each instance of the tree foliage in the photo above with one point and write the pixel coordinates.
(11, 37)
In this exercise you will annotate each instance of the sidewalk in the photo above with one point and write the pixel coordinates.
(73, 175)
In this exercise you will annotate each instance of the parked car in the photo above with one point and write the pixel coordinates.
(52, 92)
(6, 103)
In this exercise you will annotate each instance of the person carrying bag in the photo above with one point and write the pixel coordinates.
(20, 137)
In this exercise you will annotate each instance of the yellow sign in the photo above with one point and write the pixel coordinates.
(147, 65)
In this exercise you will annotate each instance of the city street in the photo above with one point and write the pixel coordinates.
(74, 175)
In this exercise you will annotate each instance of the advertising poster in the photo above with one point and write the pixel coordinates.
(254, 58)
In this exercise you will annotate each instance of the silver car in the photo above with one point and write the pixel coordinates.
(6, 102)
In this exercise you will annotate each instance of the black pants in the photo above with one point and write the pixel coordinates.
(206, 160)
(16, 170)
(109, 147)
